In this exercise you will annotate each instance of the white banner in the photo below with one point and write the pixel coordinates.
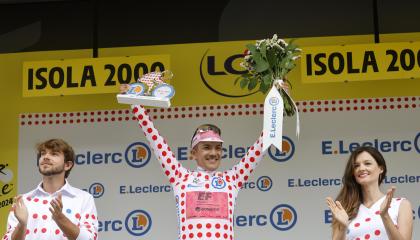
(284, 198)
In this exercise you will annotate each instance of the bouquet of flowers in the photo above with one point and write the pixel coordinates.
(268, 62)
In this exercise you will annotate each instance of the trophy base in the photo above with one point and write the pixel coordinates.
(144, 100)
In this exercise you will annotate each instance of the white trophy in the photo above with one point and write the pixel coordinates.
(149, 90)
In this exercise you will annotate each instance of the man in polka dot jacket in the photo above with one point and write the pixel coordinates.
(54, 210)
(205, 198)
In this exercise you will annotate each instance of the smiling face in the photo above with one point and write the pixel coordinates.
(52, 163)
(208, 155)
(366, 169)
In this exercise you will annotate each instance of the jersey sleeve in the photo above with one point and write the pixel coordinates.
(170, 165)
(88, 223)
(242, 170)
(12, 222)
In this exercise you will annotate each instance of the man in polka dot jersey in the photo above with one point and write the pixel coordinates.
(54, 210)
(205, 198)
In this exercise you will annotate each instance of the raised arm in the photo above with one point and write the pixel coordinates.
(17, 220)
(170, 165)
(248, 163)
(404, 228)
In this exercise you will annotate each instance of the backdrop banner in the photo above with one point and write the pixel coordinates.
(284, 198)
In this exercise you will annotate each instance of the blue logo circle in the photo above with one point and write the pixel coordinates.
(138, 222)
(97, 190)
(218, 182)
(288, 150)
(283, 217)
(264, 183)
(417, 142)
(274, 101)
(137, 155)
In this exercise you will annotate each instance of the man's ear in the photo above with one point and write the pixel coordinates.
(68, 165)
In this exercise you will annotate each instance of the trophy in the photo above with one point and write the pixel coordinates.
(149, 90)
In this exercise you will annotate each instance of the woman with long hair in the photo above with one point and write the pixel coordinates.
(361, 210)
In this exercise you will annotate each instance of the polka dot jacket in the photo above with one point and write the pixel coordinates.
(78, 207)
(205, 201)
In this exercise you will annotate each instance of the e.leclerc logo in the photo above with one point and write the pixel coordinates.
(282, 217)
(263, 183)
(97, 190)
(136, 155)
(137, 223)
(219, 71)
(345, 146)
(288, 150)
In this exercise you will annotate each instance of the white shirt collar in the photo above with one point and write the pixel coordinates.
(67, 189)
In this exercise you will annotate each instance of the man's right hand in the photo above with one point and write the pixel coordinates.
(20, 210)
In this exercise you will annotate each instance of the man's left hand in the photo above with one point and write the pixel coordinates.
(56, 208)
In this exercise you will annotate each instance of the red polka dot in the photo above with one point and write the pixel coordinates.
(190, 226)
(199, 226)
(199, 234)
(357, 224)
(191, 235)
(44, 230)
(35, 215)
(367, 236)
(78, 216)
(208, 225)
(217, 225)
(208, 234)
(367, 219)
(377, 232)
(57, 231)
(36, 199)
(44, 217)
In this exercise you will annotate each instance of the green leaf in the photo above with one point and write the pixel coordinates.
(260, 64)
(263, 50)
(267, 79)
(252, 48)
(244, 82)
(237, 79)
(252, 83)
(271, 58)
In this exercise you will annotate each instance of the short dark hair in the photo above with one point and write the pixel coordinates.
(58, 145)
